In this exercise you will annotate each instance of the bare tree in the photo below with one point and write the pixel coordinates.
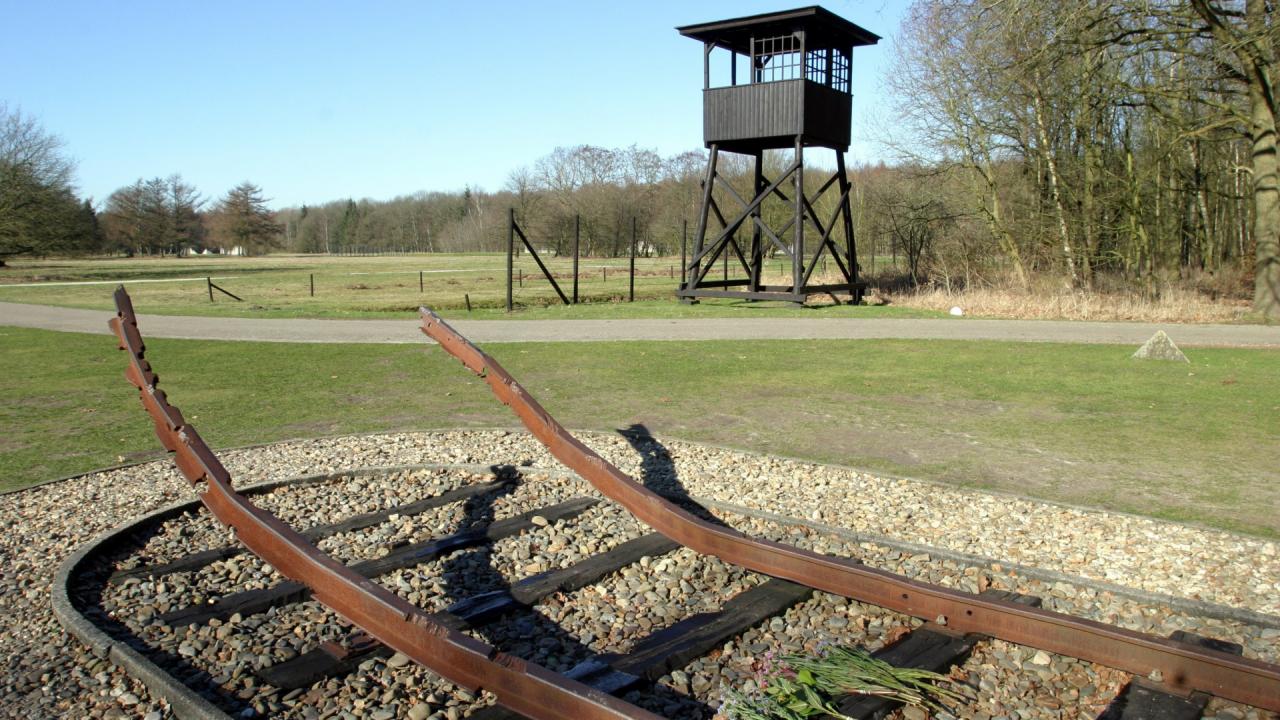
(1249, 34)
(39, 210)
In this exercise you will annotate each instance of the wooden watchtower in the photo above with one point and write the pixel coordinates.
(795, 94)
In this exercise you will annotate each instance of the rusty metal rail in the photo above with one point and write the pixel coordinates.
(538, 693)
(524, 687)
(1182, 667)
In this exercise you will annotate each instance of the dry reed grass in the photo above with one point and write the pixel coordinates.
(1174, 305)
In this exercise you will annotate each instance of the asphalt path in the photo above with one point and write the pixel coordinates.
(771, 328)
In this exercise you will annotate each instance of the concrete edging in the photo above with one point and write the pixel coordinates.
(185, 702)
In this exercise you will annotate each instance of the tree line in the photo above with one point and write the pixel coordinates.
(42, 214)
(167, 216)
(601, 189)
(1096, 142)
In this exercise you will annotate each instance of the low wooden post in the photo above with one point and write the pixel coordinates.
(313, 284)
(467, 298)
(419, 281)
(209, 281)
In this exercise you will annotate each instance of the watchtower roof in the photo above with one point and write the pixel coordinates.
(822, 27)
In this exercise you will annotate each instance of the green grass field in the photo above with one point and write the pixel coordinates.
(279, 286)
(1082, 424)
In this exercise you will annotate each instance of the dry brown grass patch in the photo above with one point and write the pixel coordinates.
(1174, 305)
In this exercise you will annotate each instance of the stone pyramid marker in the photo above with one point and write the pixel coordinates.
(1160, 347)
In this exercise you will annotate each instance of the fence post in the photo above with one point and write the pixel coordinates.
(576, 236)
(419, 281)
(511, 247)
(684, 242)
(631, 293)
(313, 284)
(209, 281)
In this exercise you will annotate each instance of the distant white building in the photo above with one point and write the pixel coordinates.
(237, 250)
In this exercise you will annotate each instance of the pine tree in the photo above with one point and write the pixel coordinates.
(243, 220)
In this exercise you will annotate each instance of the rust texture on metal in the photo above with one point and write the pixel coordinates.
(1183, 667)
(521, 686)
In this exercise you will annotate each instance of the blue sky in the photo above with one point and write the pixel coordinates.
(321, 100)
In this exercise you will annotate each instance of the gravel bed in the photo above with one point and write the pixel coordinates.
(49, 674)
(650, 595)
(1147, 554)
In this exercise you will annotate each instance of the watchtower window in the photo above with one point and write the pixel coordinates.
(776, 58)
(840, 70)
(815, 66)
(827, 66)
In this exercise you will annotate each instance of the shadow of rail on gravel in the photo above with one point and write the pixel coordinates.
(471, 575)
(658, 471)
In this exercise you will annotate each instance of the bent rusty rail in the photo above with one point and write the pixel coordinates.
(521, 686)
(1181, 666)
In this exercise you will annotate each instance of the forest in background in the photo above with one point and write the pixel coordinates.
(1082, 146)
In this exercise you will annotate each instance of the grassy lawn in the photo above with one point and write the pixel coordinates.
(1076, 423)
(279, 286)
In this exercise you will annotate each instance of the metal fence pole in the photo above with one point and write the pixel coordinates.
(684, 249)
(511, 248)
(631, 296)
(576, 237)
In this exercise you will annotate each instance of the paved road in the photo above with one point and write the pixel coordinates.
(490, 331)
